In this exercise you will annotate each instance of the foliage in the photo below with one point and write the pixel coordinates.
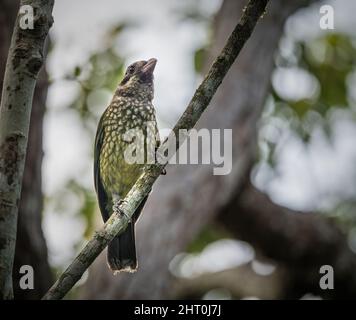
(330, 60)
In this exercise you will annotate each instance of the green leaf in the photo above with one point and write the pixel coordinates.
(301, 107)
(77, 71)
(199, 58)
(208, 235)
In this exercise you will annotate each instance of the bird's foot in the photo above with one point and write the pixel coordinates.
(116, 209)
(164, 172)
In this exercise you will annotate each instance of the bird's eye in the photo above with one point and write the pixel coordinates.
(130, 69)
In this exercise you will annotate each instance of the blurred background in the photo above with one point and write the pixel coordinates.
(261, 232)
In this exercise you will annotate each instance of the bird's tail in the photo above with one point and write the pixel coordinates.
(122, 251)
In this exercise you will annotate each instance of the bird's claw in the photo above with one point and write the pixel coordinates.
(164, 172)
(116, 209)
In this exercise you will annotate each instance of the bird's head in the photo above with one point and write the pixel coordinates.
(138, 80)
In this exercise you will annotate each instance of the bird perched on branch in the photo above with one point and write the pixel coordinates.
(130, 111)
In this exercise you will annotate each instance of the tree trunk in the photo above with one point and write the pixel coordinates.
(31, 247)
(189, 197)
(24, 61)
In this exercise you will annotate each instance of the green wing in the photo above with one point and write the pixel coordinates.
(103, 197)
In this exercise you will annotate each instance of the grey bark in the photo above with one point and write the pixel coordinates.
(31, 247)
(24, 61)
(189, 197)
(200, 101)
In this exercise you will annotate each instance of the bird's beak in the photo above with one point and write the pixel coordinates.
(150, 65)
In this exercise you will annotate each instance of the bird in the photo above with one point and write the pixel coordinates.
(130, 109)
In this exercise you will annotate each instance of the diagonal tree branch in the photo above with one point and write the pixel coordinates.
(200, 101)
(24, 61)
